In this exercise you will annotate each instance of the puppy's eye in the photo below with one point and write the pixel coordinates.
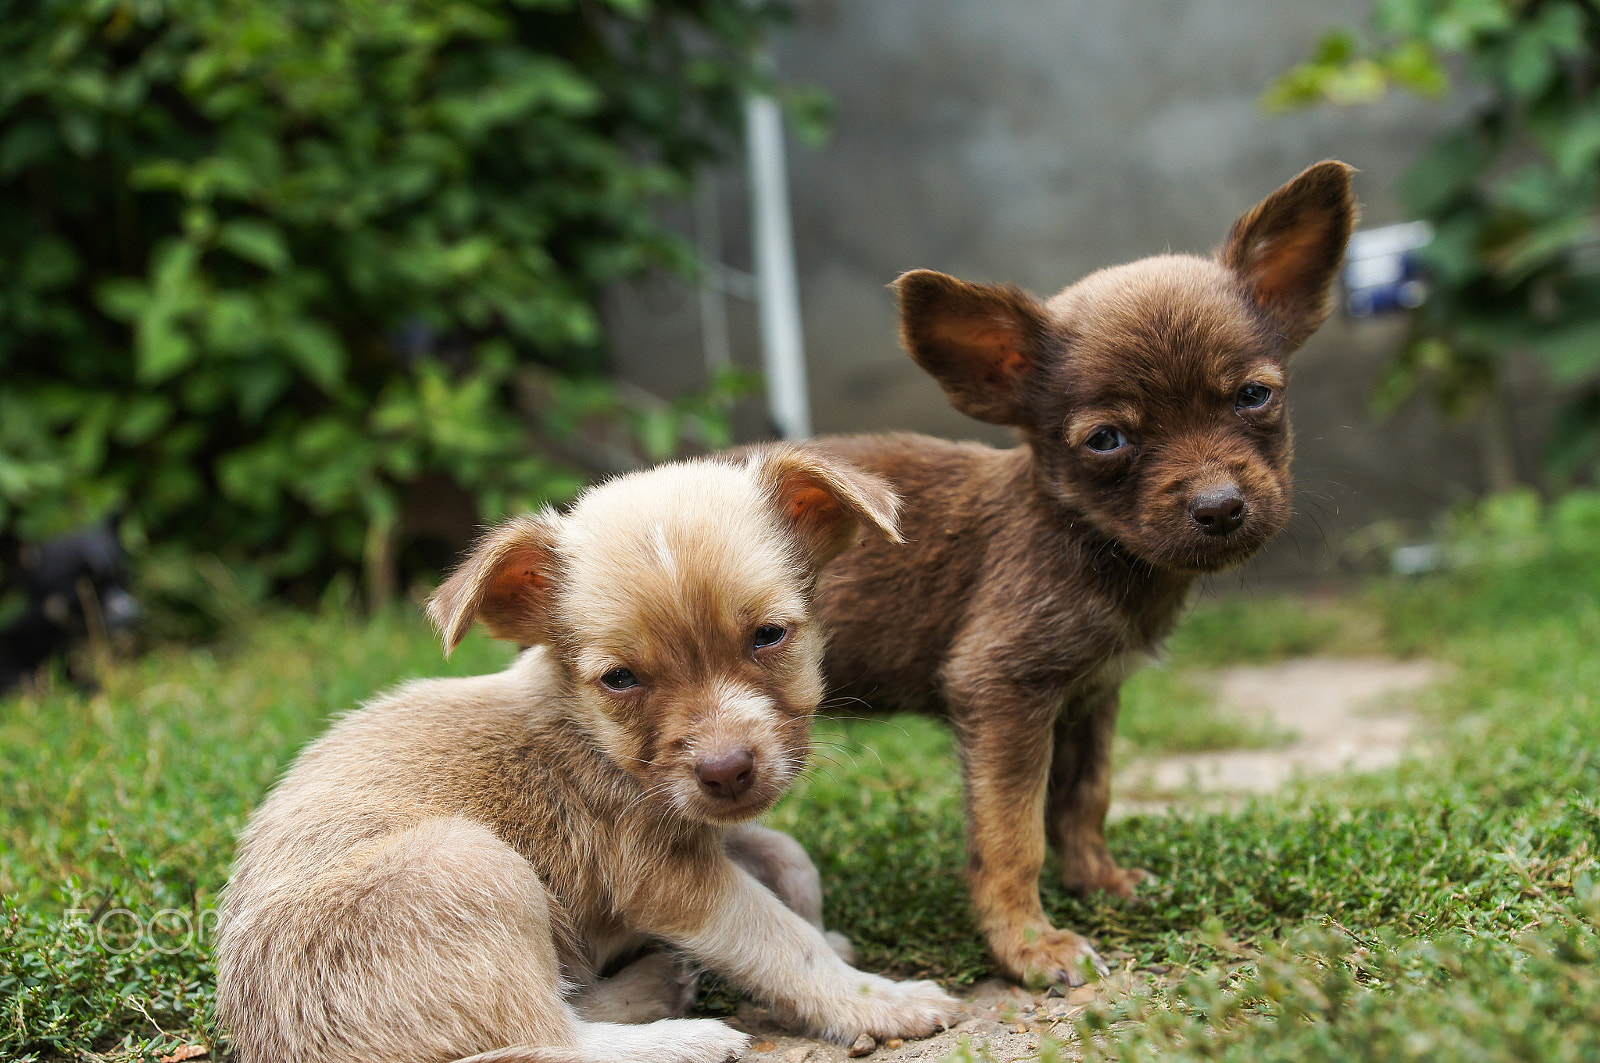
(1106, 439)
(768, 635)
(619, 679)
(1252, 397)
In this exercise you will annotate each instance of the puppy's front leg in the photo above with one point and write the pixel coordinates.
(754, 938)
(1006, 759)
(781, 864)
(1080, 795)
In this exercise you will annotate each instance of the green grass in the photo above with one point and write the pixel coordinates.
(1442, 910)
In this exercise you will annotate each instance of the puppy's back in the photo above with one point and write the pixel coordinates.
(409, 754)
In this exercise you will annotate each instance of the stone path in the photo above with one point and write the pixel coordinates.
(1345, 714)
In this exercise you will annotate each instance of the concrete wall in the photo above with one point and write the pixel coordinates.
(1033, 141)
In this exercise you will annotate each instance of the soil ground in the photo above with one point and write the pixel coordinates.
(1334, 714)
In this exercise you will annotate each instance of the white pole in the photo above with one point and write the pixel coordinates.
(714, 342)
(778, 292)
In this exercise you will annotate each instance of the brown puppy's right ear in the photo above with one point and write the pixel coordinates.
(1287, 249)
(981, 342)
(505, 580)
(827, 500)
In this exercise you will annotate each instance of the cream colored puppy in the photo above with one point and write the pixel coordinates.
(443, 874)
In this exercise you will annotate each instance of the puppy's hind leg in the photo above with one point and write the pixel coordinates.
(428, 943)
(1080, 796)
(658, 985)
(433, 943)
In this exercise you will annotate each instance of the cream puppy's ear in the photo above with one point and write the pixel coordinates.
(825, 499)
(505, 581)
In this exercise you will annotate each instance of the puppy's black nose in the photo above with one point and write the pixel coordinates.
(1218, 511)
(727, 774)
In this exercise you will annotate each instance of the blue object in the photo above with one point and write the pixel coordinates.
(1382, 269)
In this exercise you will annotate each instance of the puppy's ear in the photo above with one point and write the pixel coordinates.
(1287, 249)
(979, 341)
(826, 500)
(505, 580)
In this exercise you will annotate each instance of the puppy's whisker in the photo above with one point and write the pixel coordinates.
(886, 721)
(855, 764)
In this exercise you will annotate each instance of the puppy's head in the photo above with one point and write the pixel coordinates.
(676, 603)
(1152, 394)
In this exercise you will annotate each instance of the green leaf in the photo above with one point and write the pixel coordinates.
(1561, 26)
(161, 350)
(1447, 172)
(255, 240)
(25, 144)
(123, 298)
(1418, 68)
(48, 262)
(1533, 190)
(1529, 66)
(1573, 352)
(658, 433)
(259, 386)
(317, 350)
(173, 271)
(1576, 144)
(80, 133)
(1545, 243)
(142, 418)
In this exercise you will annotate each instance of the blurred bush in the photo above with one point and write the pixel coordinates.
(1512, 190)
(272, 266)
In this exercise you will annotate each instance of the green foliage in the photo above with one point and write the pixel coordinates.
(119, 813)
(269, 265)
(1513, 192)
(1325, 997)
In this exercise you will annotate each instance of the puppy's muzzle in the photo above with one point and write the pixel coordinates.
(1218, 510)
(727, 774)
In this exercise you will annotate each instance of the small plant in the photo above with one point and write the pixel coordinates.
(1512, 190)
(272, 270)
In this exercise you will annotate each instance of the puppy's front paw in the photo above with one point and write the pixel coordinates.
(666, 1041)
(1054, 956)
(713, 1041)
(886, 1009)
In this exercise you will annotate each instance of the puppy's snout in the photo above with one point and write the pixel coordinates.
(1219, 510)
(727, 774)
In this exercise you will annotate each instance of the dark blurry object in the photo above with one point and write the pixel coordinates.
(1383, 269)
(73, 588)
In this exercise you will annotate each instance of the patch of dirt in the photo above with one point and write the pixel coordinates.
(1335, 714)
(1003, 1023)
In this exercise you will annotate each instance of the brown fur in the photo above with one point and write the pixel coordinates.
(1037, 577)
(450, 869)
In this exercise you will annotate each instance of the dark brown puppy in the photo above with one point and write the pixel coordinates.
(1155, 447)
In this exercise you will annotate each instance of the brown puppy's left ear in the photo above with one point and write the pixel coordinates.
(1287, 249)
(505, 581)
(826, 499)
(981, 342)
